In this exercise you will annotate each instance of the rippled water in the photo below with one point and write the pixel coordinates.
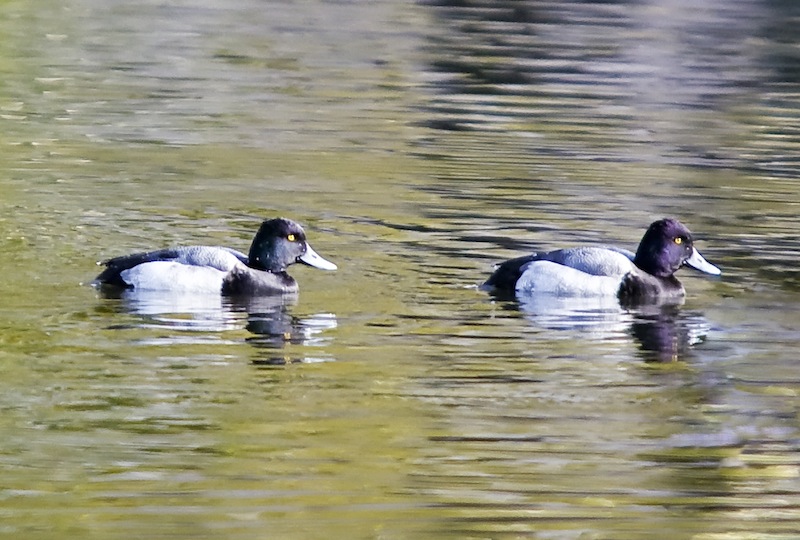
(419, 144)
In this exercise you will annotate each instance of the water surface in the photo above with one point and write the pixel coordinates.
(419, 144)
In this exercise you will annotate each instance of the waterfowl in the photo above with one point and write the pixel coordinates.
(605, 271)
(278, 243)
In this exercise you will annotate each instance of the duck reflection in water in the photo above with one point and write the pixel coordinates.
(269, 318)
(273, 328)
(666, 333)
(663, 330)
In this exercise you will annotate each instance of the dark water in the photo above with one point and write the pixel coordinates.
(419, 144)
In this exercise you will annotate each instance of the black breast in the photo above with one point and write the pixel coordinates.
(640, 287)
(244, 281)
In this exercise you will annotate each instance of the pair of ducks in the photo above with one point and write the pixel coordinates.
(583, 271)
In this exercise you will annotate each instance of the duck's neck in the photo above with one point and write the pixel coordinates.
(269, 264)
(650, 262)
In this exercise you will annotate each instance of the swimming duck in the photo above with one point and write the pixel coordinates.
(212, 269)
(607, 271)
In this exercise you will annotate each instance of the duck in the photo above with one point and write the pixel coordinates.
(278, 243)
(595, 271)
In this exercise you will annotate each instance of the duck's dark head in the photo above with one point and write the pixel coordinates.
(280, 242)
(666, 246)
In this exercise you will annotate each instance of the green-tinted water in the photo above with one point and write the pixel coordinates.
(418, 144)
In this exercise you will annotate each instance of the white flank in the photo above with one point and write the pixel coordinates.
(173, 276)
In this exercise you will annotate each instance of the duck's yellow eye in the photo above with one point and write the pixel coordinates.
(291, 237)
(679, 240)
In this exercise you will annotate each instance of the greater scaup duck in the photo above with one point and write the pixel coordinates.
(606, 271)
(277, 244)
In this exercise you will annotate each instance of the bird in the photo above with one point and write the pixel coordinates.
(278, 243)
(589, 271)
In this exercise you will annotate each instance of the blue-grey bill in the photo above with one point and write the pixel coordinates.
(312, 258)
(697, 262)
